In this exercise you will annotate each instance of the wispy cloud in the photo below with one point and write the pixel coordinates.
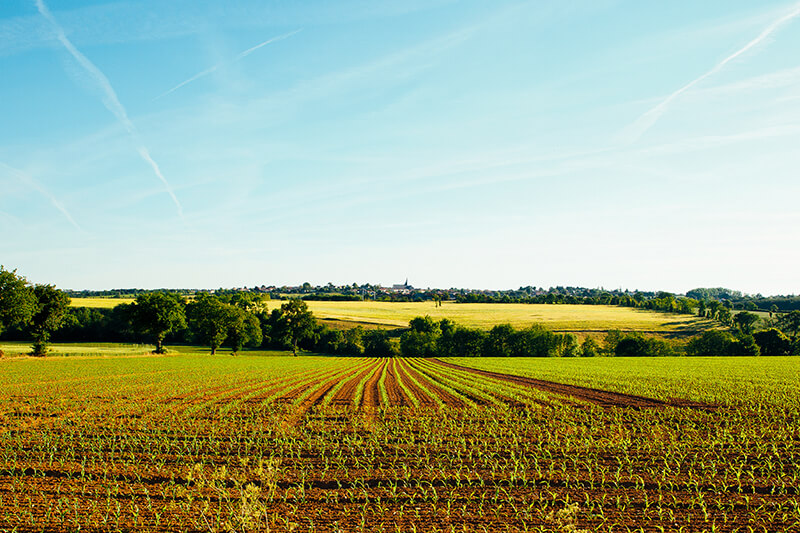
(236, 58)
(110, 99)
(31, 182)
(638, 128)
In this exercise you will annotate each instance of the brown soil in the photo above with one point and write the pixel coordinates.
(371, 398)
(434, 386)
(347, 393)
(393, 390)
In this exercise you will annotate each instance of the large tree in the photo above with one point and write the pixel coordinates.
(790, 323)
(17, 301)
(50, 312)
(157, 314)
(210, 320)
(299, 321)
(244, 329)
(746, 322)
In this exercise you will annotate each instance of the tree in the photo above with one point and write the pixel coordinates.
(378, 344)
(790, 323)
(745, 345)
(210, 320)
(590, 348)
(158, 313)
(50, 312)
(499, 342)
(745, 322)
(17, 301)
(773, 310)
(637, 345)
(773, 342)
(710, 343)
(724, 315)
(244, 329)
(299, 321)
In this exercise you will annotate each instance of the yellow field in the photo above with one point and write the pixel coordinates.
(576, 318)
(99, 302)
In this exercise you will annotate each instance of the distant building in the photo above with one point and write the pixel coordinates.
(405, 287)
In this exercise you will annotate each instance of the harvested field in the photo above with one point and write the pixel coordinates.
(357, 444)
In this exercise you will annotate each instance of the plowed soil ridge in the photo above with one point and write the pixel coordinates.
(600, 397)
(371, 397)
(405, 373)
(393, 389)
(346, 394)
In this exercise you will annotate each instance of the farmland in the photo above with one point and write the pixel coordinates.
(199, 443)
(582, 319)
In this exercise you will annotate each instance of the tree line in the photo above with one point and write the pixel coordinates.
(238, 320)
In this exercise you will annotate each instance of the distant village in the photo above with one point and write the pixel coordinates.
(406, 292)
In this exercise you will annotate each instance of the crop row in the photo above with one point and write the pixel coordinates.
(375, 444)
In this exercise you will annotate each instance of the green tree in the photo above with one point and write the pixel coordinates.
(724, 315)
(157, 314)
(17, 301)
(500, 341)
(590, 348)
(352, 341)
(567, 345)
(773, 310)
(710, 343)
(773, 342)
(746, 322)
(210, 320)
(299, 321)
(790, 323)
(244, 329)
(50, 312)
(378, 344)
(745, 345)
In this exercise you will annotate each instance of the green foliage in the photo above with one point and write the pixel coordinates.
(745, 322)
(567, 346)
(724, 315)
(158, 313)
(612, 338)
(744, 346)
(590, 348)
(458, 341)
(790, 323)
(710, 343)
(415, 343)
(352, 342)
(210, 321)
(298, 321)
(637, 345)
(17, 301)
(773, 342)
(717, 293)
(499, 341)
(378, 344)
(244, 329)
(49, 314)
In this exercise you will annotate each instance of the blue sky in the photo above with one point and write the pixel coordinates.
(622, 144)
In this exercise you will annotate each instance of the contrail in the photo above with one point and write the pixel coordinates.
(28, 180)
(244, 54)
(110, 99)
(633, 132)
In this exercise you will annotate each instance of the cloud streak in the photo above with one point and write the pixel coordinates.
(639, 127)
(110, 100)
(28, 180)
(236, 58)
